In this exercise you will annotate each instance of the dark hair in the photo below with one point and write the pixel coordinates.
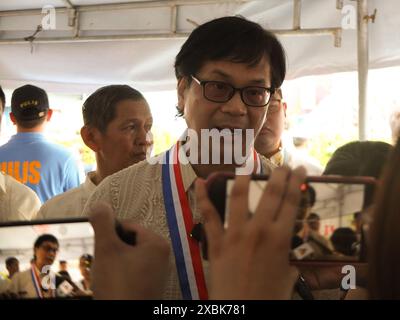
(313, 217)
(88, 258)
(62, 261)
(343, 240)
(10, 261)
(233, 39)
(99, 108)
(384, 257)
(2, 99)
(44, 238)
(359, 158)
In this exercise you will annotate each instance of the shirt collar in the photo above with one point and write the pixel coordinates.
(278, 157)
(88, 185)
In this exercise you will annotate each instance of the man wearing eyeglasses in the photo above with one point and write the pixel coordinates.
(38, 281)
(270, 142)
(226, 72)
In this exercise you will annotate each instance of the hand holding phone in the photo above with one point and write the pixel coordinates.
(249, 256)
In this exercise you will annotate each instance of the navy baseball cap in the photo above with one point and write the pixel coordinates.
(29, 103)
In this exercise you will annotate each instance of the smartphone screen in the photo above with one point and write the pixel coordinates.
(327, 224)
(65, 265)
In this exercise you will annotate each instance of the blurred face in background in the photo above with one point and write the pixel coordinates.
(84, 267)
(13, 268)
(46, 253)
(269, 139)
(63, 266)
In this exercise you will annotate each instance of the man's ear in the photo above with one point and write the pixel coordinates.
(12, 117)
(49, 114)
(183, 85)
(284, 105)
(91, 137)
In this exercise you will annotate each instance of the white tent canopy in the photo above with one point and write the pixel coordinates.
(137, 45)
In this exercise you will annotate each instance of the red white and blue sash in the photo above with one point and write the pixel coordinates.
(37, 283)
(180, 222)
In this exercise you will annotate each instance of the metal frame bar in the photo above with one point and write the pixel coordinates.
(174, 17)
(68, 4)
(121, 6)
(336, 32)
(296, 14)
(74, 22)
(363, 65)
(178, 35)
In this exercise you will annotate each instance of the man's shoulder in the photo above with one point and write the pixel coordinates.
(5, 147)
(68, 195)
(15, 187)
(57, 150)
(62, 204)
(129, 187)
(41, 148)
(22, 276)
(137, 172)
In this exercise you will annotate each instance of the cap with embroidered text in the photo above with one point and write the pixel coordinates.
(29, 103)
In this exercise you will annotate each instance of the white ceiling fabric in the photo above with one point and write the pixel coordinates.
(148, 64)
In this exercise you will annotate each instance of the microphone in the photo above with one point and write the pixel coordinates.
(303, 289)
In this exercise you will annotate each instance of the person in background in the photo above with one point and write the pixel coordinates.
(18, 202)
(344, 241)
(47, 168)
(63, 266)
(36, 281)
(117, 123)
(12, 266)
(320, 246)
(85, 266)
(359, 158)
(270, 142)
(313, 222)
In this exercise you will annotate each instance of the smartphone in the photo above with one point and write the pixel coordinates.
(327, 226)
(57, 280)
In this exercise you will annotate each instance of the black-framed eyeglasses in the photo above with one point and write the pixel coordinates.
(48, 248)
(219, 91)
